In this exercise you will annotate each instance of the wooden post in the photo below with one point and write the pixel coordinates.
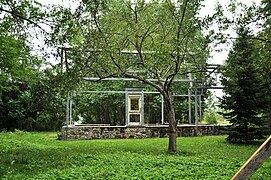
(255, 161)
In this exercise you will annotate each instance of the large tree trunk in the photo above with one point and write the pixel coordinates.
(172, 145)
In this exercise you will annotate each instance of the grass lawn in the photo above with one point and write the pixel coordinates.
(39, 155)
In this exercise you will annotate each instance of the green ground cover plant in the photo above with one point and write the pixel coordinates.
(38, 155)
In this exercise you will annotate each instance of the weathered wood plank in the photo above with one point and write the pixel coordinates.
(255, 161)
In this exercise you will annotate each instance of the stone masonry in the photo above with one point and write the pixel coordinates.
(84, 132)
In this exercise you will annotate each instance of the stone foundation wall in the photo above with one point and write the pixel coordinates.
(124, 132)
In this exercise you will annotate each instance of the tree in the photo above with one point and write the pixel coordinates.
(243, 84)
(247, 16)
(264, 46)
(17, 71)
(29, 98)
(143, 40)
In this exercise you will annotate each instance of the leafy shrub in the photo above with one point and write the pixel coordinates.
(210, 117)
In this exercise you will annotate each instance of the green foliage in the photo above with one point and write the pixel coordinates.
(145, 40)
(26, 155)
(254, 48)
(36, 104)
(21, 18)
(212, 111)
(264, 46)
(210, 118)
(243, 83)
(109, 108)
(22, 96)
(17, 73)
(164, 34)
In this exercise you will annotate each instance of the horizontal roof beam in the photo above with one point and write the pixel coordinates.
(131, 79)
(123, 92)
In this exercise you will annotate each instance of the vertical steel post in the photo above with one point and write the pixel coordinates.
(67, 110)
(189, 107)
(196, 106)
(200, 109)
(71, 110)
(142, 108)
(162, 110)
(189, 99)
(126, 107)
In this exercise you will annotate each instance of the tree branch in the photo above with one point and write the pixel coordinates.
(16, 15)
(160, 89)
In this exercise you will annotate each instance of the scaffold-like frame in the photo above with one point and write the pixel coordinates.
(212, 69)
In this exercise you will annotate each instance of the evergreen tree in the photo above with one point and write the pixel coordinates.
(264, 46)
(243, 83)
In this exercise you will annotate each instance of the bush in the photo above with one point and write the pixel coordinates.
(210, 117)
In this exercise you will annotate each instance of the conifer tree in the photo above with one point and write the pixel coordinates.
(243, 83)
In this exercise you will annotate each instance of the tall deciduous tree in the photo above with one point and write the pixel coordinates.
(138, 39)
(28, 101)
(243, 84)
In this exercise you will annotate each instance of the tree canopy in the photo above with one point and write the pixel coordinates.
(137, 39)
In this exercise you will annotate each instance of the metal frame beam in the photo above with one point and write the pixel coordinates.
(131, 79)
